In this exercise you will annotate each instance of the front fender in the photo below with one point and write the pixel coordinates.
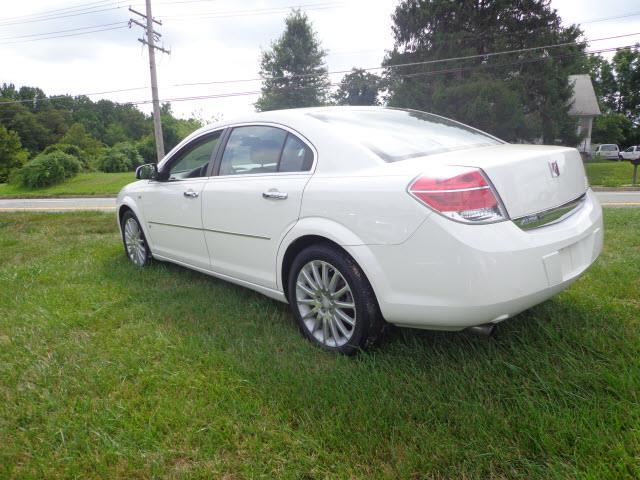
(127, 200)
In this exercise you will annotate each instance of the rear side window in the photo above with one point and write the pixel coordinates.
(296, 156)
(396, 135)
(263, 149)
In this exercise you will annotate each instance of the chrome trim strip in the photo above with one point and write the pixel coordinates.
(550, 216)
(224, 232)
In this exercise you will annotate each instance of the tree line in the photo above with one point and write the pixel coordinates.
(101, 135)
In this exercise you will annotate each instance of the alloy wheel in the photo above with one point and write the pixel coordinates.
(134, 242)
(326, 303)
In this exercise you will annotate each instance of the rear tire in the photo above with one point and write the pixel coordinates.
(135, 243)
(332, 301)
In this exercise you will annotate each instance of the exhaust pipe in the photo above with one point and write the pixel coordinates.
(486, 330)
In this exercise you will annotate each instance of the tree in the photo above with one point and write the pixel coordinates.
(293, 70)
(611, 128)
(626, 63)
(358, 87)
(12, 155)
(604, 82)
(78, 136)
(534, 81)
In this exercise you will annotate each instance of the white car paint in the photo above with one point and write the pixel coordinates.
(608, 151)
(426, 270)
(631, 153)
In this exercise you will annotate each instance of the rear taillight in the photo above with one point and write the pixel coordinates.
(460, 193)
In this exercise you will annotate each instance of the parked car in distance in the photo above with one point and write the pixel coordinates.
(631, 153)
(608, 151)
(362, 216)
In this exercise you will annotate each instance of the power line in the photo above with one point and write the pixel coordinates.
(635, 14)
(57, 17)
(426, 62)
(64, 36)
(59, 10)
(253, 11)
(434, 72)
(61, 31)
(524, 61)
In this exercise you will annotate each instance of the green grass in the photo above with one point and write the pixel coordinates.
(109, 371)
(94, 183)
(610, 173)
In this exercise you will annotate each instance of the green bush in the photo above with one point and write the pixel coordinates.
(47, 169)
(42, 171)
(72, 150)
(12, 155)
(147, 148)
(122, 157)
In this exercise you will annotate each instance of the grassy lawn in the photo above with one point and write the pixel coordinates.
(94, 183)
(107, 370)
(610, 173)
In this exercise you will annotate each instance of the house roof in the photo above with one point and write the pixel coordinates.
(584, 101)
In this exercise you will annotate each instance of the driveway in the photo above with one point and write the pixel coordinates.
(608, 199)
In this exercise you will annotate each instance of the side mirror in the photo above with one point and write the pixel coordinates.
(148, 171)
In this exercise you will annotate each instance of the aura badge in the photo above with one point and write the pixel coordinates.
(555, 170)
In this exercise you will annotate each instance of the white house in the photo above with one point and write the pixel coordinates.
(584, 105)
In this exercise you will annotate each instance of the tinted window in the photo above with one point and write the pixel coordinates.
(252, 150)
(193, 160)
(401, 134)
(608, 148)
(630, 149)
(296, 156)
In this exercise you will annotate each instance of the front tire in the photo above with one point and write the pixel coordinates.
(332, 301)
(135, 243)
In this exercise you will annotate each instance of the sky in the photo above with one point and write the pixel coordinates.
(215, 41)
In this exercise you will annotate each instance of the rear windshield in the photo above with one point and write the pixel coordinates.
(396, 135)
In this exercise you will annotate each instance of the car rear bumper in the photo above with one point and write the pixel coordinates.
(450, 276)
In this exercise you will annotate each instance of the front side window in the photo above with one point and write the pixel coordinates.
(630, 149)
(193, 160)
(263, 149)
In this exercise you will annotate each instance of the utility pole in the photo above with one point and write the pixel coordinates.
(151, 37)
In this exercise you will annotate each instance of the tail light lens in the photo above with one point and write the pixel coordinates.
(462, 194)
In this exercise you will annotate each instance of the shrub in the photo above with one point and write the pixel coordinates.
(12, 155)
(72, 150)
(121, 157)
(147, 148)
(47, 169)
(42, 171)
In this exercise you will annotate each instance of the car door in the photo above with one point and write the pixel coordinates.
(254, 199)
(173, 207)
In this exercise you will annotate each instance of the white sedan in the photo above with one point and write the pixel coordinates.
(363, 216)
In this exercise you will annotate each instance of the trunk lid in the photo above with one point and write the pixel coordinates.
(528, 178)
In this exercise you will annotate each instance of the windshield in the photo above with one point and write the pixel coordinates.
(396, 135)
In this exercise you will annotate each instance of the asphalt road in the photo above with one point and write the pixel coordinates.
(608, 199)
(57, 204)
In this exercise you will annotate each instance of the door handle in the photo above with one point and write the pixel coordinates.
(191, 194)
(276, 195)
